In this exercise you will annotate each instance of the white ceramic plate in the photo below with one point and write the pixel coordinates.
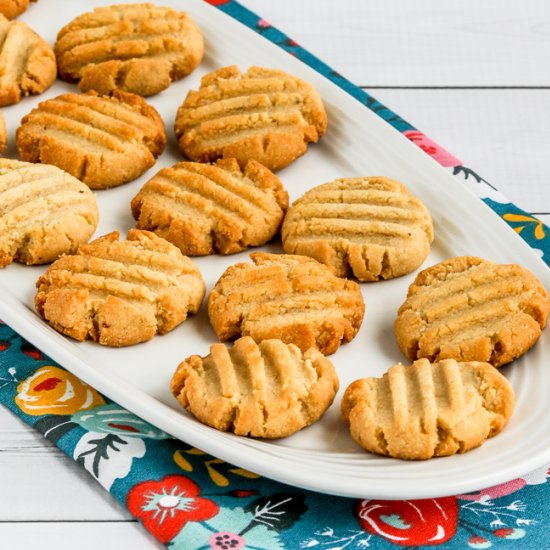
(322, 457)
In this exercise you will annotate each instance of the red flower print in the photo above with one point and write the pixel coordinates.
(31, 351)
(165, 506)
(509, 533)
(410, 522)
(218, 2)
(497, 491)
(431, 148)
(243, 493)
(263, 24)
(479, 542)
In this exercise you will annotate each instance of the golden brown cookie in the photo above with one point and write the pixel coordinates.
(470, 309)
(44, 212)
(270, 389)
(209, 209)
(27, 62)
(372, 228)
(104, 141)
(13, 8)
(428, 409)
(138, 48)
(120, 293)
(3, 135)
(264, 114)
(293, 298)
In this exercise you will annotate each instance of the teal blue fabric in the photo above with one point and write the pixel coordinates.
(190, 500)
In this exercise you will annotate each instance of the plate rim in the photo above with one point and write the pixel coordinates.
(56, 346)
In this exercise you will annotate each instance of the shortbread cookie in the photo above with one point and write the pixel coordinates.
(293, 298)
(120, 293)
(138, 48)
(3, 136)
(372, 228)
(13, 8)
(104, 141)
(270, 389)
(44, 212)
(428, 409)
(470, 309)
(209, 209)
(265, 115)
(27, 62)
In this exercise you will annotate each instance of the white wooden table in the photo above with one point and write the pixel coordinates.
(474, 76)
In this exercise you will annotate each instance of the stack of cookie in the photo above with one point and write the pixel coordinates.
(460, 319)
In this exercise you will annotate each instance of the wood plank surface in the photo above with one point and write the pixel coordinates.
(38, 481)
(502, 134)
(422, 43)
(83, 535)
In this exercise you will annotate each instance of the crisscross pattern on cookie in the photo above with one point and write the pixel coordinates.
(120, 292)
(370, 227)
(102, 140)
(3, 136)
(206, 209)
(139, 48)
(428, 410)
(265, 114)
(270, 389)
(471, 309)
(293, 298)
(44, 212)
(27, 62)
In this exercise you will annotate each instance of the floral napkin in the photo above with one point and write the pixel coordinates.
(190, 500)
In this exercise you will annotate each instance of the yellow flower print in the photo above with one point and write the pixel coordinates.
(211, 467)
(51, 390)
(520, 218)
